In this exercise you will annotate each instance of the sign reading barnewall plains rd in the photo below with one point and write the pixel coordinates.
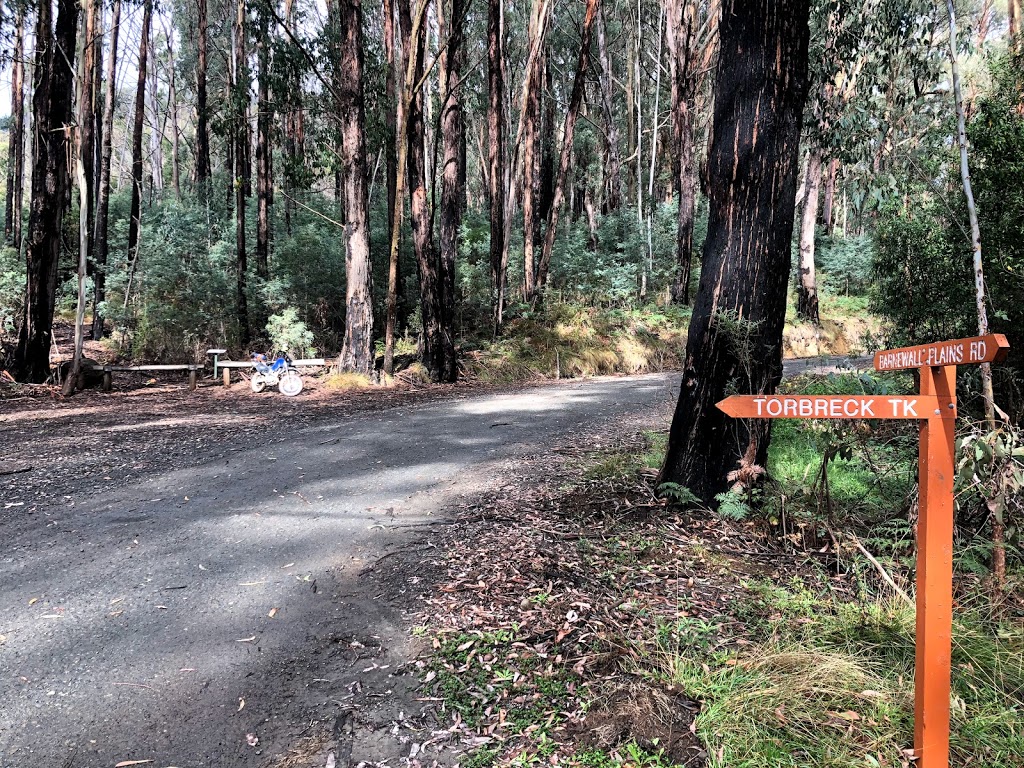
(834, 407)
(980, 349)
(935, 410)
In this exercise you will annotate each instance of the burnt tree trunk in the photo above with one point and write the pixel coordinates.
(16, 137)
(264, 153)
(452, 182)
(357, 352)
(202, 117)
(53, 81)
(807, 290)
(100, 225)
(135, 221)
(240, 140)
(496, 157)
(735, 336)
(575, 100)
(682, 38)
(437, 342)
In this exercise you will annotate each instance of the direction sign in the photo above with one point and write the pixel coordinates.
(935, 407)
(979, 349)
(837, 407)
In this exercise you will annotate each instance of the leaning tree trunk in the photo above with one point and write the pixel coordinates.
(575, 100)
(357, 352)
(100, 226)
(987, 394)
(452, 181)
(135, 221)
(496, 157)
(735, 336)
(53, 81)
(16, 137)
(807, 290)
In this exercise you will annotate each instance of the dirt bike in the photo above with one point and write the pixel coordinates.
(280, 373)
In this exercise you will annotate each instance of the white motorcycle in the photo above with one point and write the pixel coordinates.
(280, 374)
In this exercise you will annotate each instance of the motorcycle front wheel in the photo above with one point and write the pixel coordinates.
(257, 383)
(290, 384)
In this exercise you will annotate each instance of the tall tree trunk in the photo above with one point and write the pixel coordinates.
(437, 343)
(92, 50)
(172, 109)
(409, 26)
(1013, 13)
(496, 157)
(682, 38)
(532, 152)
(735, 336)
(357, 352)
(52, 97)
(16, 137)
(988, 397)
(202, 117)
(391, 118)
(452, 181)
(613, 175)
(264, 150)
(240, 103)
(135, 222)
(807, 291)
(575, 100)
(156, 134)
(100, 245)
(83, 160)
(828, 202)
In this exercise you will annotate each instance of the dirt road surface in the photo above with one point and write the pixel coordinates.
(215, 606)
(189, 613)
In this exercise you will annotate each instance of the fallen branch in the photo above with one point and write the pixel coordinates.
(881, 570)
(4, 472)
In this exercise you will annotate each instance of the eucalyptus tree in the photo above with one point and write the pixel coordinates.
(52, 100)
(735, 336)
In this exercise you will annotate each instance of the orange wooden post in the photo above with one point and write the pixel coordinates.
(934, 573)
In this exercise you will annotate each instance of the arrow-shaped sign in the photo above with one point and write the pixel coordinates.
(836, 407)
(979, 349)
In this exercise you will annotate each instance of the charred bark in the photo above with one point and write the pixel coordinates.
(452, 183)
(16, 137)
(357, 352)
(437, 344)
(202, 116)
(735, 336)
(496, 157)
(53, 81)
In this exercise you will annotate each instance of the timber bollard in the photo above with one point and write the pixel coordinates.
(192, 379)
(227, 376)
(108, 379)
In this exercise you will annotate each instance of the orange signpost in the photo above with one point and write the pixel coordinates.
(935, 408)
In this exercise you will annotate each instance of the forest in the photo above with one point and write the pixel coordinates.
(501, 193)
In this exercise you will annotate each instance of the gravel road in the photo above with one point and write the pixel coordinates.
(196, 616)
